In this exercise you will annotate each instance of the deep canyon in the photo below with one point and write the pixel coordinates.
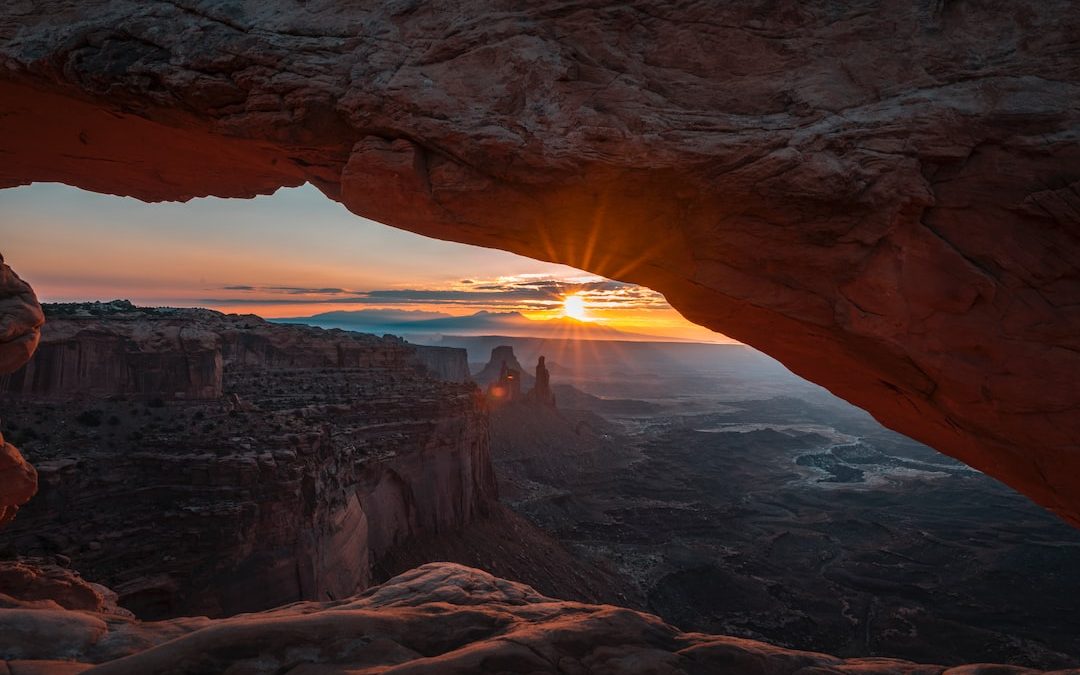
(882, 195)
(202, 465)
(731, 497)
(272, 463)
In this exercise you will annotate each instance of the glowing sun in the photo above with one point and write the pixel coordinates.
(574, 307)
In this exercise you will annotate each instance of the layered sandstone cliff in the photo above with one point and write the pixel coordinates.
(109, 349)
(502, 358)
(123, 355)
(445, 363)
(881, 194)
(320, 451)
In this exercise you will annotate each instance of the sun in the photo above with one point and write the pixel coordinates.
(574, 307)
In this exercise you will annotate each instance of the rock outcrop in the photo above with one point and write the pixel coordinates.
(20, 320)
(321, 451)
(445, 363)
(439, 618)
(541, 392)
(507, 381)
(122, 356)
(20, 330)
(29, 583)
(507, 387)
(18, 481)
(883, 194)
(179, 354)
(503, 357)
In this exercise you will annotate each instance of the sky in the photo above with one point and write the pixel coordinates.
(293, 253)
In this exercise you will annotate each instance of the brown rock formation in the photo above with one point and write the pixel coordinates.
(445, 363)
(20, 320)
(504, 377)
(507, 387)
(541, 392)
(329, 449)
(20, 329)
(18, 481)
(38, 583)
(502, 356)
(125, 355)
(177, 354)
(439, 618)
(882, 194)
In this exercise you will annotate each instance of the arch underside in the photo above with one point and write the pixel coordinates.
(883, 196)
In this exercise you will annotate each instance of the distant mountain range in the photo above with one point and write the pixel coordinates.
(512, 324)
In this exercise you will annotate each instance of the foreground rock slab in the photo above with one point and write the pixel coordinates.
(439, 618)
(881, 194)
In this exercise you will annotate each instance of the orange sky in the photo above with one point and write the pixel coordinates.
(294, 253)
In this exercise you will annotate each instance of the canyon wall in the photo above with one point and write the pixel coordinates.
(445, 363)
(169, 359)
(174, 357)
(106, 364)
(322, 450)
(881, 194)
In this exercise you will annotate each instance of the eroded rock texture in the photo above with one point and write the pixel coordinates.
(882, 194)
(20, 330)
(445, 363)
(203, 463)
(439, 618)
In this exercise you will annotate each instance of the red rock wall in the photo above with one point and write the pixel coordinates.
(444, 486)
(101, 365)
(80, 355)
(334, 348)
(257, 527)
(445, 363)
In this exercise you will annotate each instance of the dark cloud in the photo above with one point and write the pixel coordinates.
(464, 299)
(522, 293)
(482, 293)
(300, 290)
(289, 290)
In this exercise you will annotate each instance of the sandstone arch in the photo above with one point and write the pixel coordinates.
(884, 195)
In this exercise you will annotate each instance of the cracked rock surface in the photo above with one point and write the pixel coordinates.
(882, 194)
